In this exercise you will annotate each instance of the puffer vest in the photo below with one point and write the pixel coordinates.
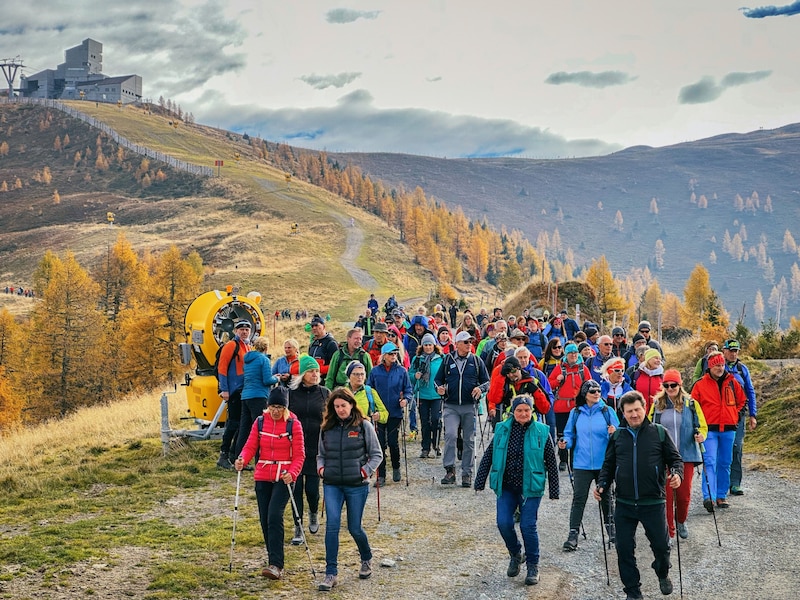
(345, 454)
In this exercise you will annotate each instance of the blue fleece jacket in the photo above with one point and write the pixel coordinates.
(591, 426)
(391, 384)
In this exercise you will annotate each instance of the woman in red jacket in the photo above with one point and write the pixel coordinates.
(276, 440)
(566, 380)
(648, 377)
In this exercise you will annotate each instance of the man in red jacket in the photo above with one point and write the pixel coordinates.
(721, 398)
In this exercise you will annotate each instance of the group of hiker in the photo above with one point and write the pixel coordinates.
(557, 397)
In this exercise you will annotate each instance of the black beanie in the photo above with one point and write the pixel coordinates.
(279, 395)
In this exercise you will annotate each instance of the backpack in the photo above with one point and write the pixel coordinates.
(575, 422)
(370, 399)
(219, 351)
(289, 425)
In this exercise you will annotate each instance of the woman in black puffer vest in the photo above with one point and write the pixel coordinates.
(349, 453)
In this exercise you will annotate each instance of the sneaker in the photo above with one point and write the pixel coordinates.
(365, 572)
(665, 585)
(450, 477)
(425, 454)
(708, 504)
(380, 482)
(298, 535)
(327, 584)
(532, 578)
(612, 534)
(572, 541)
(722, 503)
(396, 476)
(224, 462)
(272, 572)
(313, 522)
(683, 531)
(513, 565)
(562, 466)
(736, 491)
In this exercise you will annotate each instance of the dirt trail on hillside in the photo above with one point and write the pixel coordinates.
(445, 543)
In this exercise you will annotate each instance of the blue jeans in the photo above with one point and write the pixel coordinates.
(507, 504)
(355, 496)
(717, 458)
(738, 446)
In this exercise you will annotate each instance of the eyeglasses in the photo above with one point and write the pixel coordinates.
(276, 406)
(606, 344)
(391, 334)
(358, 374)
(619, 335)
(670, 386)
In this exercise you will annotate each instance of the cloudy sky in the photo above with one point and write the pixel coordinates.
(442, 77)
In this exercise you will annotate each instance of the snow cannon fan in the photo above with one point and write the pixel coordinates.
(209, 317)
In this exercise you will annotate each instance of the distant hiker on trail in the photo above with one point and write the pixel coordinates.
(372, 304)
(685, 423)
(276, 440)
(379, 338)
(638, 341)
(586, 434)
(282, 368)
(307, 399)
(469, 325)
(367, 323)
(368, 400)
(721, 398)
(349, 453)
(730, 350)
(258, 379)
(461, 380)
(644, 329)
(516, 462)
(323, 346)
(424, 368)
(702, 363)
(570, 325)
(231, 381)
(619, 346)
(391, 381)
(351, 350)
(638, 458)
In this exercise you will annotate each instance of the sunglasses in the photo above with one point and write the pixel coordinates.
(644, 331)
(557, 347)
(593, 391)
(615, 370)
(670, 386)
(606, 344)
(619, 335)
(391, 334)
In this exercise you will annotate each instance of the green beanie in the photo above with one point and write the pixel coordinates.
(306, 363)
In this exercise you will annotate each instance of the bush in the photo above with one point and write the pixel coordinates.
(772, 343)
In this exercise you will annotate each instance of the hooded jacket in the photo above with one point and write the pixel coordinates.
(721, 401)
(258, 377)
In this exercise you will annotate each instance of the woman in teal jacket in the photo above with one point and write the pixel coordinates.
(424, 367)
(586, 433)
(516, 462)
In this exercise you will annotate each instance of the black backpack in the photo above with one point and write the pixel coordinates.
(219, 351)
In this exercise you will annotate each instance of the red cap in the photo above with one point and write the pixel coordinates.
(673, 376)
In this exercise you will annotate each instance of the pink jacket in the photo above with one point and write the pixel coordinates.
(277, 452)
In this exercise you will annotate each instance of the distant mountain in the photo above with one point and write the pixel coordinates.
(544, 195)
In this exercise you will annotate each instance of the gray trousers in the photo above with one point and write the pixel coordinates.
(453, 416)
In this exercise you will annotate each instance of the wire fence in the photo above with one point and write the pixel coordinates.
(173, 162)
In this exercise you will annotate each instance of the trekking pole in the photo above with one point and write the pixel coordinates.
(474, 445)
(297, 522)
(708, 487)
(603, 535)
(378, 489)
(572, 483)
(235, 514)
(405, 455)
(677, 535)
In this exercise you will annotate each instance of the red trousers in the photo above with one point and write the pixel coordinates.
(684, 495)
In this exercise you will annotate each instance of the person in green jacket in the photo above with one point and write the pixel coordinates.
(349, 351)
(519, 458)
(367, 398)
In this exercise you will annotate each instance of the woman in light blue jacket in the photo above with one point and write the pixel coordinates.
(424, 367)
(586, 433)
(258, 379)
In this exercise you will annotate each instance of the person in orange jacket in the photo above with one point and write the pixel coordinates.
(721, 398)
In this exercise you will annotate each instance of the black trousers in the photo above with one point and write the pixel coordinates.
(388, 436)
(232, 425)
(653, 518)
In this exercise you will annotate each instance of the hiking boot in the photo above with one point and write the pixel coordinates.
(612, 533)
(396, 476)
(380, 482)
(327, 584)
(683, 532)
(722, 503)
(562, 466)
(708, 504)
(298, 535)
(313, 522)
(572, 541)
(737, 491)
(466, 481)
(532, 578)
(665, 585)
(450, 477)
(272, 572)
(513, 565)
(224, 462)
(365, 572)
(425, 454)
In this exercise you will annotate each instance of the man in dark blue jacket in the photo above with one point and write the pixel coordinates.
(638, 458)
(461, 379)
